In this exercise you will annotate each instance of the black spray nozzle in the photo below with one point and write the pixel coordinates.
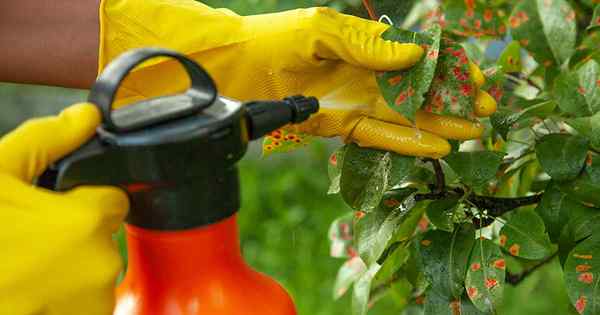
(266, 116)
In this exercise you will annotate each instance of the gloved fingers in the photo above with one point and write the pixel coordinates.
(403, 140)
(358, 41)
(31, 148)
(449, 127)
(485, 104)
(110, 204)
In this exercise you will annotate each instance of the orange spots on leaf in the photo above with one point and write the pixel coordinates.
(580, 304)
(475, 266)
(433, 54)
(502, 29)
(488, 15)
(581, 90)
(490, 283)
(583, 268)
(393, 81)
(466, 89)
(523, 16)
(586, 277)
(503, 240)
(268, 147)
(547, 63)
(425, 243)
(346, 233)
(359, 214)
(524, 42)
(455, 307)
(500, 263)
(583, 256)
(477, 24)
(570, 16)
(514, 249)
(472, 292)
(392, 202)
(598, 82)
(423, 223)
(291, 136)
(333, 159)
(400, 99)
(351, 252)
(420, 300)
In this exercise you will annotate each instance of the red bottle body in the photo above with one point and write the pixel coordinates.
(198, 271)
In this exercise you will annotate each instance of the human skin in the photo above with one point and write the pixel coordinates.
(49, 42)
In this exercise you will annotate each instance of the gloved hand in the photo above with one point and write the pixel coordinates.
(58, 256)
(316, 52)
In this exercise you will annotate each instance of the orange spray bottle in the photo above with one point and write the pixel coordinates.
(176, 158)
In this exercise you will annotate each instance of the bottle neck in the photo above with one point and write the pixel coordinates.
(167, 257)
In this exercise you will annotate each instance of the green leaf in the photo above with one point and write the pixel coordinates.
(562, 156)
(583, 221)
(397, 11)
(472, 18)
(440, 213)
(367, 173)
(595, 22)
(475, 168)
(445, 258)
(334, 170)
(350, 271)
(583, 189)
(524, 235)
(362, 291)
(373, 230)
(404, 90)
(546, 29)
(341, 236)
(485, 276)
(589, 48)
(452, 91)
(554, 210)
(510, 59)
(582, 276)
(392, 263)
(578, 92)
(505, 120)
(588, 127)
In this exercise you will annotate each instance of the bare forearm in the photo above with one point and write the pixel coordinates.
(50, 42)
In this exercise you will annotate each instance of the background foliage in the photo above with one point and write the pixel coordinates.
(286, 213)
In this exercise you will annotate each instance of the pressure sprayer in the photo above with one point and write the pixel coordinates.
(175, 156)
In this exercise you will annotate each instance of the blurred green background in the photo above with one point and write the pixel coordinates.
(286, 212)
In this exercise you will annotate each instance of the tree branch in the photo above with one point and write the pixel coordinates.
(370, 10)
(515, 279)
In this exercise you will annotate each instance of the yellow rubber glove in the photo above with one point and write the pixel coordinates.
(316, 52)
(58, 256)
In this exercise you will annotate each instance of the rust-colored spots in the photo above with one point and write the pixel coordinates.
(547, 63)
(426, 242)
(276, 143)
(500, 263)
(455, 307)
(580, 304)
(490, 283)
(433, 54)
(333, 159)
(466, 89)
(524, 42)
(420, 300)
(400, 99)
(423, 223)
(503, 240)
(291, 137)
(514, 249)
(570, 16)
(391, 202)
(393, 81)
(268, 147)
(475, 266)
(359, 214)
(488, 15)
(586, 277)
(581, 90)
(351, 252)
(472, 292)
(598, 82)
(346, 233)
(583, 256)
(583, 268)
(588, 159)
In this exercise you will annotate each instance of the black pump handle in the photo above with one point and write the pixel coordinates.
(201, 93)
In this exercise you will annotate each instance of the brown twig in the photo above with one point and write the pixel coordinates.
(370, 10)
(515, 279)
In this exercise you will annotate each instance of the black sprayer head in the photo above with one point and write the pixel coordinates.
(174, 155)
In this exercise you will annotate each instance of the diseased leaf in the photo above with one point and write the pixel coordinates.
(485, 276)
(334, 170)
(505, 120)
(452, 91)
(562, 156)
(404, 90)
(350, 271)
(524, 235)
(440, 213)
(510, 59)
(475, 168)
(445, 258)
(373, 230)
(588, 49)
(472, 18)
(546, 28)
(340, 236)
(554, 210)
(583, 221)
(582, 276)
(438, 304)
(283, 140)
(578, 92)
(362, 291)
